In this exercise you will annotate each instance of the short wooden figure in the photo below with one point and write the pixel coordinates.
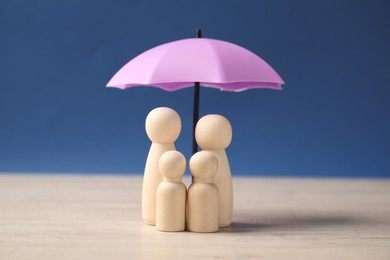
(171, 193)
(213, 133)
(163, 127)
(203, 194)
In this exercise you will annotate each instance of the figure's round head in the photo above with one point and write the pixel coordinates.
(163, 125)
(203, 165)
(172, 164)
(213, 132)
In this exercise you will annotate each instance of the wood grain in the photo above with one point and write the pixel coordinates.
(99, 217)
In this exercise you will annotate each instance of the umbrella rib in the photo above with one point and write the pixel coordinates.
(152, 70)
(221, 74)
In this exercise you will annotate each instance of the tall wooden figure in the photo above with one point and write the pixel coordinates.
(171, 193)
(203, 194)
(213, 133)
(163, 127)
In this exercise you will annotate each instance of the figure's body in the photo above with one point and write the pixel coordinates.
(213, 133)
(163, 127)
(171, 193)
(203, 194)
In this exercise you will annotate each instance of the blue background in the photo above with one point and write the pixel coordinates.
(331, 119)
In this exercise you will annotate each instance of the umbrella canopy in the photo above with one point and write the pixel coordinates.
(212, 63)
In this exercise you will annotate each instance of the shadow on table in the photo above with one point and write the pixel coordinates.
(267, 223)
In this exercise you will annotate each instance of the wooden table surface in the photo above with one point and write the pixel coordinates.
(99, 217)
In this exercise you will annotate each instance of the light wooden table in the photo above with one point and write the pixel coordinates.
(99, 217)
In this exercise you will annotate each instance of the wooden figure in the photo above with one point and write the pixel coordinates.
(163, 127)
(171, 193)
(213, 133)
(203, 194)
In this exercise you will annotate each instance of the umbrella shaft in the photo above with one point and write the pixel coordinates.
(196, 116)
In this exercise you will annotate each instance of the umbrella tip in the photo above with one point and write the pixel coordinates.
(198, 33)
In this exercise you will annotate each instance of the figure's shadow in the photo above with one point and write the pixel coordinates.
(295, 223)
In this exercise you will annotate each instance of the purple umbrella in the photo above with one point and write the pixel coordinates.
(194, 62)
